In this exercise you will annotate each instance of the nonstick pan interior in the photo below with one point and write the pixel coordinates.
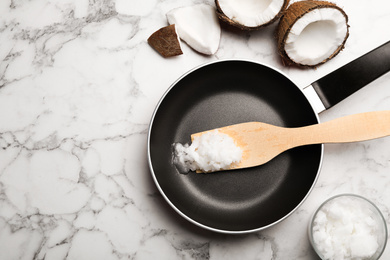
(219, 94)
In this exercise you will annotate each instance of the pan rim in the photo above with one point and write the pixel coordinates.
(188, 218)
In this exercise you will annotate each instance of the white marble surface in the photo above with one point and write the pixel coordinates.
(78, 86)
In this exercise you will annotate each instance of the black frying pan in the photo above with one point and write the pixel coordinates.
(235, 91)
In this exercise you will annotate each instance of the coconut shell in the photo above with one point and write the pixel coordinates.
(293, 13)
(230, 22)
(166, 41)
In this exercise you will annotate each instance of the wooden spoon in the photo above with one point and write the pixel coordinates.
(261, 142)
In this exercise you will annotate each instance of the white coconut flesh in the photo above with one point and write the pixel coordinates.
(316, 36)
(198, 26)
(251, 13)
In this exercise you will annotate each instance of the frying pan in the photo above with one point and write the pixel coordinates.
(234, 91)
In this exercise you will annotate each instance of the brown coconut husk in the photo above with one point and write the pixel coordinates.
(293, 13)
(222, 17)
(166, 41)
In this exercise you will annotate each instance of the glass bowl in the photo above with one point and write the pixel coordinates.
(348, 226)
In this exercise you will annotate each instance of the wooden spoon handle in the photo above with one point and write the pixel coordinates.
(353, 128)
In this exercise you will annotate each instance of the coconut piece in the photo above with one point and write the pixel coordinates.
(198, 26)
(166, 41)
(312, 32)
(250, 14)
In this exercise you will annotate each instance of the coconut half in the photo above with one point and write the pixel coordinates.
(250, 14)
(312, 32)
(198, 26)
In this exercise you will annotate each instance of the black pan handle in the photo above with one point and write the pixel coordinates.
(348, 79)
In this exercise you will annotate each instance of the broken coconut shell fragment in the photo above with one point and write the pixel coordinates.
(166, 41)
(311, 32)
(198, 26)
(252, 14)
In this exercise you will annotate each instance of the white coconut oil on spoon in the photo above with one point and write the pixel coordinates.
(209, 152)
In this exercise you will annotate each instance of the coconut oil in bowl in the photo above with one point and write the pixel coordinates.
(348, 227)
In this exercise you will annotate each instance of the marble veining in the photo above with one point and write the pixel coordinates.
(78, 86)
